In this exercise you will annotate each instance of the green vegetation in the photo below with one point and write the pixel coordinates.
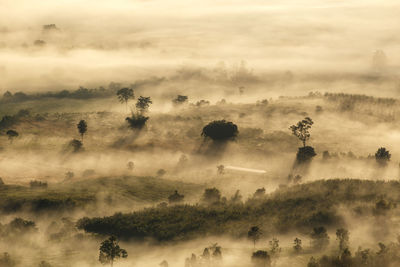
(300, 207)
(79, 194)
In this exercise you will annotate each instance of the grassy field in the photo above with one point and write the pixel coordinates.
(116, 192)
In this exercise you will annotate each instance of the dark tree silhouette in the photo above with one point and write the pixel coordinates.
(320, 238)
(69, 175)
(75, 145)
(206, 255)
(237, 198)
(297, 245)
(301, 129)
(7, 94)
(382, 156)
(143, 103)
(313, 263)
(82, 128)
(220, 130)
(175, 198)
(217, 254)
(220, 169)
(275, 249)
(211, 196)
(254, 234)
(180, 99)
(131, 165)
(124, 94)
(136, 121)
(305, 154)
(343, 236)
(110, 251)
(260, 192)
(161, 172)
(12, 135)
(260, 258)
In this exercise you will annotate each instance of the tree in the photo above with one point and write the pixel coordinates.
(220, 130)
(69, 175)
(175, 198)
(12, 135)
(260, 193)
(382, 156)
(217, 254)
(110, 251)
(164, 263)
(236, 198)
(206, 255)
(76, 145)
(297, 245)
(343, 236)
(260, 258)
(6, 260)
(313, 263)
(131, 165)
(301, 129)
(136, 121)
(220, 169)
(7, 94)
(82, 128)
(254, 234)
(161, 172)
(275, 249)
(211, 196)
(143, 103)
(124, 94)
(320, 238)
(180, 99)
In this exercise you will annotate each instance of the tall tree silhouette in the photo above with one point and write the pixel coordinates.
(301, 129)
(110, 251)
(124, 94)
(82, 128)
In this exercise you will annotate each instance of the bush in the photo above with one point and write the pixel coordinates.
(305, 154)
(175, 198)
(382, 156)
(75, 145)
(137, 121)
(220, 130)
(211, 196)
(260, 258)
(37, 184)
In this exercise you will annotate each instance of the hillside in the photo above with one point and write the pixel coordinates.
(299, 207)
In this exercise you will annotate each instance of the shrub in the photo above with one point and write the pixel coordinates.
(305, 154)
(137, 121)
(220, 130)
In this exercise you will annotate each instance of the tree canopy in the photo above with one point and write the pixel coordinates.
(110, 251)
(382, 156)
(220, 130)
(301, 129)
(82, 128)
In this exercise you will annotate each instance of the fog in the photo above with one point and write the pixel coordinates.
(96, 42)
(176, 126)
